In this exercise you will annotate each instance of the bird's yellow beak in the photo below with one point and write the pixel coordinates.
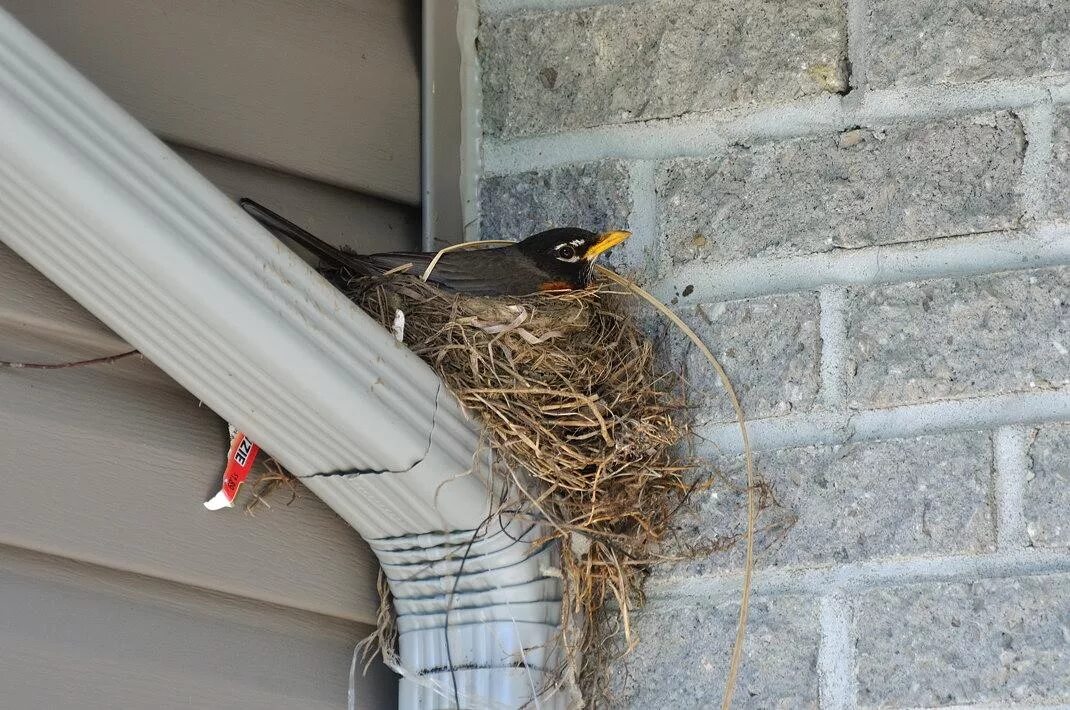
(605, 241)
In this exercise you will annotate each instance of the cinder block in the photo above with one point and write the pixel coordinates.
(959, 643)
(866, 186)
(1047, 489)
(682, 657)
(957, 41)
(769, 346)
(594, 196)
(957, 338)
(1059, 179)
(545, 72)
(854, 502)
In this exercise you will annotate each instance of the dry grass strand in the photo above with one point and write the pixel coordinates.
(736, 657)
(572, 401)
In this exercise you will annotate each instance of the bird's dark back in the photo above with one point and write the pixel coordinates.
(500, 271)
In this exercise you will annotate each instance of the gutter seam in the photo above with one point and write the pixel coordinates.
(379, 472)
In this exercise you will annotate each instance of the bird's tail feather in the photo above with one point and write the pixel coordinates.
(282, 227)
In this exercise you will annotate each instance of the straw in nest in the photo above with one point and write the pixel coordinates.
(569, 394)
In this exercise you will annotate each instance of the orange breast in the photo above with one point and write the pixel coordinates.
(555, 286)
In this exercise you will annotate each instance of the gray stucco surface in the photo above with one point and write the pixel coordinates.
(864, 186)
(958, 643)
(772, 341)
(951, 338)
(961, 41)
(682, 659)
(854, 503)
(545, 72)
(1047, 489)
(594, 196)
(864, 210)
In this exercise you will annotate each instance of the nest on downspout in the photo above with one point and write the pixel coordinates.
(590, 430)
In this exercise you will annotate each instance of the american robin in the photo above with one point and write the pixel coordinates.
(557, 259)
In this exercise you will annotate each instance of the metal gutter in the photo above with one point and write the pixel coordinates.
(440, 126)
(450, 123)
(111, 215)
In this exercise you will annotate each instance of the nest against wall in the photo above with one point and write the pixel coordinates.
(591, 431)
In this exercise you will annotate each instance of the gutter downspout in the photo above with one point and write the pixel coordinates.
(105, 210)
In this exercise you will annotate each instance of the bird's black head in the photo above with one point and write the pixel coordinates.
(567, 254)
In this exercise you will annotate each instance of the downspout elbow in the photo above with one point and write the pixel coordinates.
(478, 616)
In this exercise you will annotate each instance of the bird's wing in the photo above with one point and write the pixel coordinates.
(498, 271)
(484, 272)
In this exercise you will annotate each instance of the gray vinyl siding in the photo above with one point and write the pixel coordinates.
(110, 464)
(75, 635)
(107, 466)
(117, 588)
(328, 89)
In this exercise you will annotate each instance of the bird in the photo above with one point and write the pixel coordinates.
(559, 259)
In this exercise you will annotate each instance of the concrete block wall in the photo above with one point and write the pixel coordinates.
(864, 207)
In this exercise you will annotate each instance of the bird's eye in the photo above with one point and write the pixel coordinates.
(566, 252)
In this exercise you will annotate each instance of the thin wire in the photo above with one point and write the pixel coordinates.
(449, 606)
(63, 365)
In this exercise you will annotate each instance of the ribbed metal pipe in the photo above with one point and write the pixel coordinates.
(478, 613)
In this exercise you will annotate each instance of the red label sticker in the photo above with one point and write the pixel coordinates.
(240, 460)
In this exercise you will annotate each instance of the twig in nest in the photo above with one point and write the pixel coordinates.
(457, 247)
(271, 480)
(64, 365)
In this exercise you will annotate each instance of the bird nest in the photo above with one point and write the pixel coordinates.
(591, 429)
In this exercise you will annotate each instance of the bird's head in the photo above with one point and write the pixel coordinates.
(567, 255)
